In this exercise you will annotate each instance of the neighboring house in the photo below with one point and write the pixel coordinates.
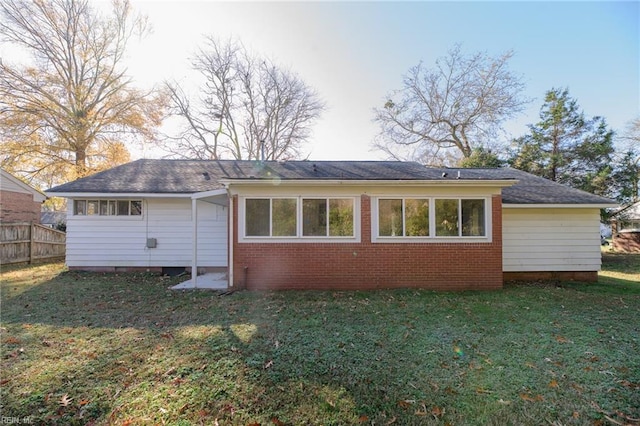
(333, 224)
(53, 219)
(625, 226)
(18, 201)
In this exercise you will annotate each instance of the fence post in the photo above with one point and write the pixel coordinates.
(32, 242)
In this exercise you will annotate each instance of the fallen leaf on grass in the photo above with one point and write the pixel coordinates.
(65, 400)
(84, 402)
(276, 421)
(363, 419)
(437, 411)
(503, 402)
(482, 391)
(405, 403)
(561, 339)
(527, 397)
(553, 383)
(575, 415)
(12, 341)
(269, 364)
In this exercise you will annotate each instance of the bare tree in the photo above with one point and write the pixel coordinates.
(73, 104)
(247, 108)
(444, 113)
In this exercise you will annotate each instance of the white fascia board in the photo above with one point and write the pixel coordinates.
(337, 182)
(116, 195)
(557, 206)
(212, 193)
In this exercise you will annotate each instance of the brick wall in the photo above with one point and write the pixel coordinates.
(367, 265)
(18, 207)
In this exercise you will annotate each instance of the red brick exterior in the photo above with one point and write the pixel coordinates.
(18, 207)
(367, 265)
(626, 242)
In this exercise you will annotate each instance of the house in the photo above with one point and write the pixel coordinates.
(625, 226)
(332, 224)
(19, 202)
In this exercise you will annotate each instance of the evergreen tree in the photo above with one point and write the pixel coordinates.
(567, 147)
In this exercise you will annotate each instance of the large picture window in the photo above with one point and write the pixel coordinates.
(431, 217)
(107, 207)
(299, 217)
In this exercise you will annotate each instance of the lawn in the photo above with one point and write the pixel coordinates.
(88, 348)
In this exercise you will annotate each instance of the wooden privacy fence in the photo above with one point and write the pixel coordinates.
(29, 242)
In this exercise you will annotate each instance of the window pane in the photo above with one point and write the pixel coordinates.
(80, 207)
(447, 218)
(104, 207)
(390, 218)
(284, 217)
(416, 213)
(92, 207)
(136, 208)
(340, 218)
(123, 208)
(473, 218)
(314, 218)
(112, 208)
(257, 217)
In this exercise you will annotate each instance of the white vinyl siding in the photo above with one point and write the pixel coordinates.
(113, 241)
(551, 239)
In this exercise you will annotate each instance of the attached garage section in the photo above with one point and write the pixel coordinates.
(551, 243)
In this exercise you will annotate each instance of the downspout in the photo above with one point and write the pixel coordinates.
(194, 261)
(230, 240)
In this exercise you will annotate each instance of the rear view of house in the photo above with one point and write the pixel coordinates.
(332, 224)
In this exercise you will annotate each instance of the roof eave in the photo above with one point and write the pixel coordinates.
(120, 194)
(508, 205)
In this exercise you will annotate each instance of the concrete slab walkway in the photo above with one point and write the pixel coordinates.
(208, 281)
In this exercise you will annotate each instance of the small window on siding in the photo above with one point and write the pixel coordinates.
(107, 207)
(80, 207)
(123, 207)
(93, 207)
(136, 208)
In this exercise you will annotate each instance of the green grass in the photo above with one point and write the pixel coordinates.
(86, 348)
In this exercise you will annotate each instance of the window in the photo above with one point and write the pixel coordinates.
(107, 207)
(403, 217)
(267, 217)
(299, 217)
(322, 217)
(450, 223)
(431, 217)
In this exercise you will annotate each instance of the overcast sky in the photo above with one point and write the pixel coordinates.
(353, 53)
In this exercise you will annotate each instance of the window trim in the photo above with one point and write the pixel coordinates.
(108, 216)
(299, 237)
(432, 237)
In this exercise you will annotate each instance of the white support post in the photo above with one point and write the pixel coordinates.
(194, 261)
(230, 243)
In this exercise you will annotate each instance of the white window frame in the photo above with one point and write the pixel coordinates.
(116, 216)
(432, 238)
(299, 238)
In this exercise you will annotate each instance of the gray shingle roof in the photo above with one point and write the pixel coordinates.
(190, 176)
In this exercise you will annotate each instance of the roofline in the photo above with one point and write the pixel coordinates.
(508, 205)
(120, 194)
(368, 182)
(23, 185)
(212, 193)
